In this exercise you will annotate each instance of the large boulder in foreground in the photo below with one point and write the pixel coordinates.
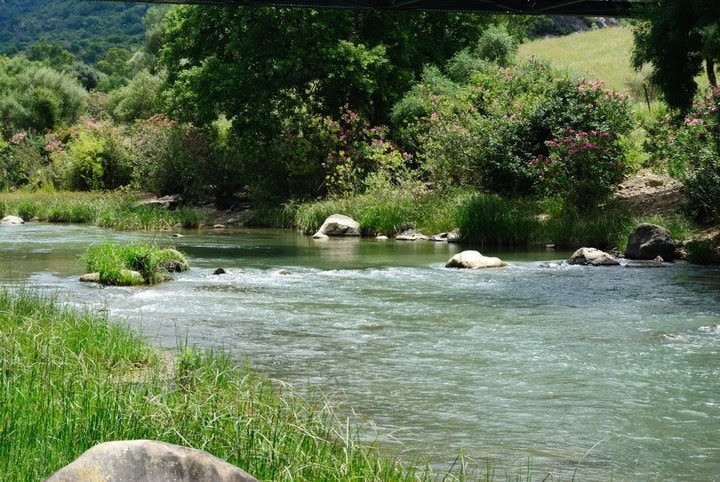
(648, 241)
(148, 460)
(12, 220)
(474, 260)
(592, 257)
(338, 225)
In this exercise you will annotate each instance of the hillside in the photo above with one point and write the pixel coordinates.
(86, 28)
(602, 53)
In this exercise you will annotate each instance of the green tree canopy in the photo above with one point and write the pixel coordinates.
(675, 37)
(257, 63)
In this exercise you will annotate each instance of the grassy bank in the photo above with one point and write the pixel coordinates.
(70, 380)
(116, 210)
(483, 220)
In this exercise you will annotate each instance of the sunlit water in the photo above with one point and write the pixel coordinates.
(596, 373)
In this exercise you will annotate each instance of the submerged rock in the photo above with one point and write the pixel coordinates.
(474, 260)
(90, 278)
(146, 460)
(338, 225)
(593, 257)
(410, 235)
(647, 241)
(446, 237)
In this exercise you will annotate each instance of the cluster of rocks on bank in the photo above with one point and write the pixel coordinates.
(648, 245)
(342, 225)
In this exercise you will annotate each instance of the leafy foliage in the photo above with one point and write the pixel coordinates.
(489, 127)
(92, 156)
(36, 97)
(85, 29)
(689, 148)
(675, 37)
(171, 157)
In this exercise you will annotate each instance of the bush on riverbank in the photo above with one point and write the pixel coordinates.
(120, 264)
(70, 380)
(689, 149)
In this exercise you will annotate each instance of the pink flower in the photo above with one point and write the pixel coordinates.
(19, 137)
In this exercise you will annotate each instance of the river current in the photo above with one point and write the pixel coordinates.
(584, 373)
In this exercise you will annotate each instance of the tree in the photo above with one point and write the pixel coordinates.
(36, 97)
(675, 37)
(275, 72)
(244, 61)
(50, 53)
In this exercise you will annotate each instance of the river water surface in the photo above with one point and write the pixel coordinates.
(596, 373)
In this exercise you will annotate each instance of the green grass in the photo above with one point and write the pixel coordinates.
(490, 220)
(603, 53)
(116, 263)
(70, 380)
(388, 211)
(116, 210)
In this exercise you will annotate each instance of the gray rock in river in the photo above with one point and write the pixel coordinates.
(148, 460)
(338, 225)
(649, 241)
(12, 220)
(593, 257)
(474, 260)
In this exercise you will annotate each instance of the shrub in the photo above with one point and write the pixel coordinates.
(581, 166)
(39, 98)
(689, 149)
(94, 157)
(171, 157)
(497, 45)
(139, 99)
(486, 129)
(23, 161)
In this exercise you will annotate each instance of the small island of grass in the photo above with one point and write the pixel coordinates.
(132, 264)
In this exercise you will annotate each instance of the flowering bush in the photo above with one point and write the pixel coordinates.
(170, 157)
(358, 150)
(90, 156)
(581, 167)
(23, 161)
(689, 149)
(486, 128)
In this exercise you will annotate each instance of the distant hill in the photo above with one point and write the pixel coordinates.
(602, 53)
(86, 28)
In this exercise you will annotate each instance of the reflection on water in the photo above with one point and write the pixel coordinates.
(612, 372)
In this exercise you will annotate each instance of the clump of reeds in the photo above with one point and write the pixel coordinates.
(125, 264)
(116, 210)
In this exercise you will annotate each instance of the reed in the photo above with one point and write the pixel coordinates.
(491, 220)
(386, 212)
(604, 227)
(70, 380)
(116, 210)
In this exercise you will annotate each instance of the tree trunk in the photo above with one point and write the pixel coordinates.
(710, 69)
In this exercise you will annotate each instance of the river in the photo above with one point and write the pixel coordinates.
(591, 373)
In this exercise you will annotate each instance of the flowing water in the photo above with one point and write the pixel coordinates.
(596, 373)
